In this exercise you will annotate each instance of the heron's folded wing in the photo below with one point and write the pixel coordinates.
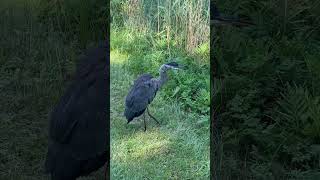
(62, 119)
(80, 119)
(140, 96)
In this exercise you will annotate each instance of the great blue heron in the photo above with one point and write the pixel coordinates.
(143, 91)
(79, 126)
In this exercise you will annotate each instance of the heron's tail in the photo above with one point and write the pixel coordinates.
(129, 115)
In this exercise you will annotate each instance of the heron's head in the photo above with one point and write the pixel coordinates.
(170, 65)
(173, 65)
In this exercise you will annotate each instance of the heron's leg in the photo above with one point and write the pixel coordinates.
(144, 120)
(152, 116)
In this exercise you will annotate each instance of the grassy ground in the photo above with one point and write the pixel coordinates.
(177, 149)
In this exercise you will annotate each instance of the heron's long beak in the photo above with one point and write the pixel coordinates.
(174, 65)
(180, 67)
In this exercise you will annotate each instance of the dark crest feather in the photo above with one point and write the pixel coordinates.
(173, 64)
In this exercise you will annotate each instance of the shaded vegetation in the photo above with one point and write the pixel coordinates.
(266, 91)
(37, 58)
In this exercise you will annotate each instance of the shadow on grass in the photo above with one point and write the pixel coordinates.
(156, 155)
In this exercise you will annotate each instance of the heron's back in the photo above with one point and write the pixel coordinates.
(139, 96)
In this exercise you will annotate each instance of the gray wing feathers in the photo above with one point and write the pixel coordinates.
(141, 94)
(81, 123)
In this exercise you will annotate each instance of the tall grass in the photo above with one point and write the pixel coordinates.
(84, 20)
(186, 23)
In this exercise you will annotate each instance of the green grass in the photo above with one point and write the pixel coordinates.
(177, 149)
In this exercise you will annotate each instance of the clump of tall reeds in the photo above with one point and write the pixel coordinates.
(186, 23)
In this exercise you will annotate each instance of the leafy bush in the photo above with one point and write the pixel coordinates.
(266, 97)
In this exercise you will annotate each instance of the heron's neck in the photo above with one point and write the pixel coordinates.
(162, 79)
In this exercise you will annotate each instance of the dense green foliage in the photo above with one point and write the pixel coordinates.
(266, 90)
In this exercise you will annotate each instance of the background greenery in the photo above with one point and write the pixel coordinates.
(144, 35)
(39, 45)
(266, 90)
